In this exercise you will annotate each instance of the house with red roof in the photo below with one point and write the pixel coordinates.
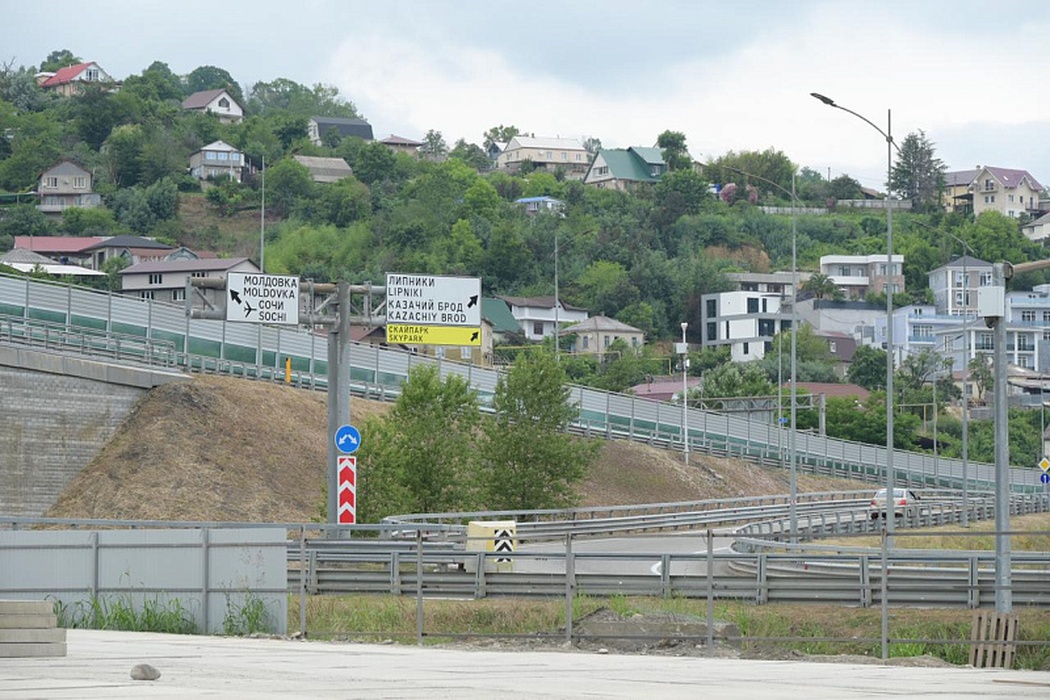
(66, 250)
(72, 79)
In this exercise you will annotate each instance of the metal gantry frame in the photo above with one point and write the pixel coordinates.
(334, 311)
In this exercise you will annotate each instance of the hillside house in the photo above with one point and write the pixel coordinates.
(165, 280)
(625, 169)
(217, 160)
(399, 144)
(534, 205)
(218, 102)
(27, 261)
(858, 275)
(548, 154)
(325, 170)
(596, 335)
(536, 315)
(744, 321)
(66, 185)
(343, 127)
(66, 250)
(1007, 191)
(71, 80)
(134, 249)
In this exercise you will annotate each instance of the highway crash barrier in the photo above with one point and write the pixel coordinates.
(496, 536)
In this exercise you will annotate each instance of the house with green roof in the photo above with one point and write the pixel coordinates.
(626, 168)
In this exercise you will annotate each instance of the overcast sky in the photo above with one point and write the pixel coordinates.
(730, 75)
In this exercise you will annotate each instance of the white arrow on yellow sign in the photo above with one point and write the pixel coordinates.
(404, 334)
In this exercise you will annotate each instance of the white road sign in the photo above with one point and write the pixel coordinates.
(257, 298)
(427, 300)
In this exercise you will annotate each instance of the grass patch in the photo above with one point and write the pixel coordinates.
(818, 629)
(978, 537)
(121, 613)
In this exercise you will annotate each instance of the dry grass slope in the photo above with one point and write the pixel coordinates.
(230, 450)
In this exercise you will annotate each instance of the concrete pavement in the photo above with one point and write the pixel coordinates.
(99, 663)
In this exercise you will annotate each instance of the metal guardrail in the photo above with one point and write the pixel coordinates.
(85, 341)
(378, 372)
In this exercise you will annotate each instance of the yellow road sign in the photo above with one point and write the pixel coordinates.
(1044, 464)
(433, 335)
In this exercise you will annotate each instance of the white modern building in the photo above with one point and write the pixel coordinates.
(857, 275)
(536, 316)
(745, 321)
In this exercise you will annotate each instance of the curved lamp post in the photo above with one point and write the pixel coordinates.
(792, 451)
(890, 145)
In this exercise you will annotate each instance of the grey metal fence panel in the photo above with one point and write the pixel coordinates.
(211, 572)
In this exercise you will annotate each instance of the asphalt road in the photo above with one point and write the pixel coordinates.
(98, 665)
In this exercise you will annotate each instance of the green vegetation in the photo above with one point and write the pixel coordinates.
(819, 629)
(122, 613)
(434, 451)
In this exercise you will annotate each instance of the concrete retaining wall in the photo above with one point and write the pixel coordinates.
(56, 414)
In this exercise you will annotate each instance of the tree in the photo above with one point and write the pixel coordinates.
(606, 287)
(868, 368)
(844, 187)
(980, 373)
(57, 60)
(434, 145)
(918, 174)
(287, 182)
(821, 286)
(765, 166)
(592, 144)
(676, 155)
(421, 457)
(288, 96)
(499, 134)
(157, 83)
(212, 78)
(736, 379)
(471, 154)
(529, 460)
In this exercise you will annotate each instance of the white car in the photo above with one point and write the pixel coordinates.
(903, 499)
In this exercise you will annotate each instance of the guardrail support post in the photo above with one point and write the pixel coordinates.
(395, 573)
(419, 587)
(710, 594)
(865, 581)
(665, 575)
(884, 595)
(570, 586)
(204, 580)
(302, 581)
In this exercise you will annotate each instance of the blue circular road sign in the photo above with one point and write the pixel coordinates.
(1045, 478)
(347, 439)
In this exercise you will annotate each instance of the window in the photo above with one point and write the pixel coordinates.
(989, 184)
(712, 307)
(606, 340)
(1028, 315)
(765, 306)
(712, 331)
(80, 182)
(1046, 335)
(224, 103)
(586, 342)
(51, 182)
(155, 278)
(747, 348)
(833, 346)
(146, 294)
(985, 341)
(1024, 342)
(91, 75)
(1010, 199)
(1046, 317)
(986, 279)
(210, 155)
(564, 155)
(1024, 361)
(178, 294)
(223, 155)
(844, 271)
(634, 342)
(752, 305)
(537, 328)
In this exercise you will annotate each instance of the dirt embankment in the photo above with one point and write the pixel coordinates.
(227, 449)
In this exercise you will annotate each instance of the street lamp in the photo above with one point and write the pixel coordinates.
(793, 454)
(890, 145)
(683, 350)
(557, 302)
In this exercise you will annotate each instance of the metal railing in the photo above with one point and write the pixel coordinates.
(378, 372)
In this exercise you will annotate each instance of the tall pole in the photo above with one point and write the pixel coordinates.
(685, 394)
(966, 397)
(792, 507)
(1003, 594)
(557, 301)
(888, 135)
(262, 220)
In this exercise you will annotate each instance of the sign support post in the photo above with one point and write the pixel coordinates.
(338, 390)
